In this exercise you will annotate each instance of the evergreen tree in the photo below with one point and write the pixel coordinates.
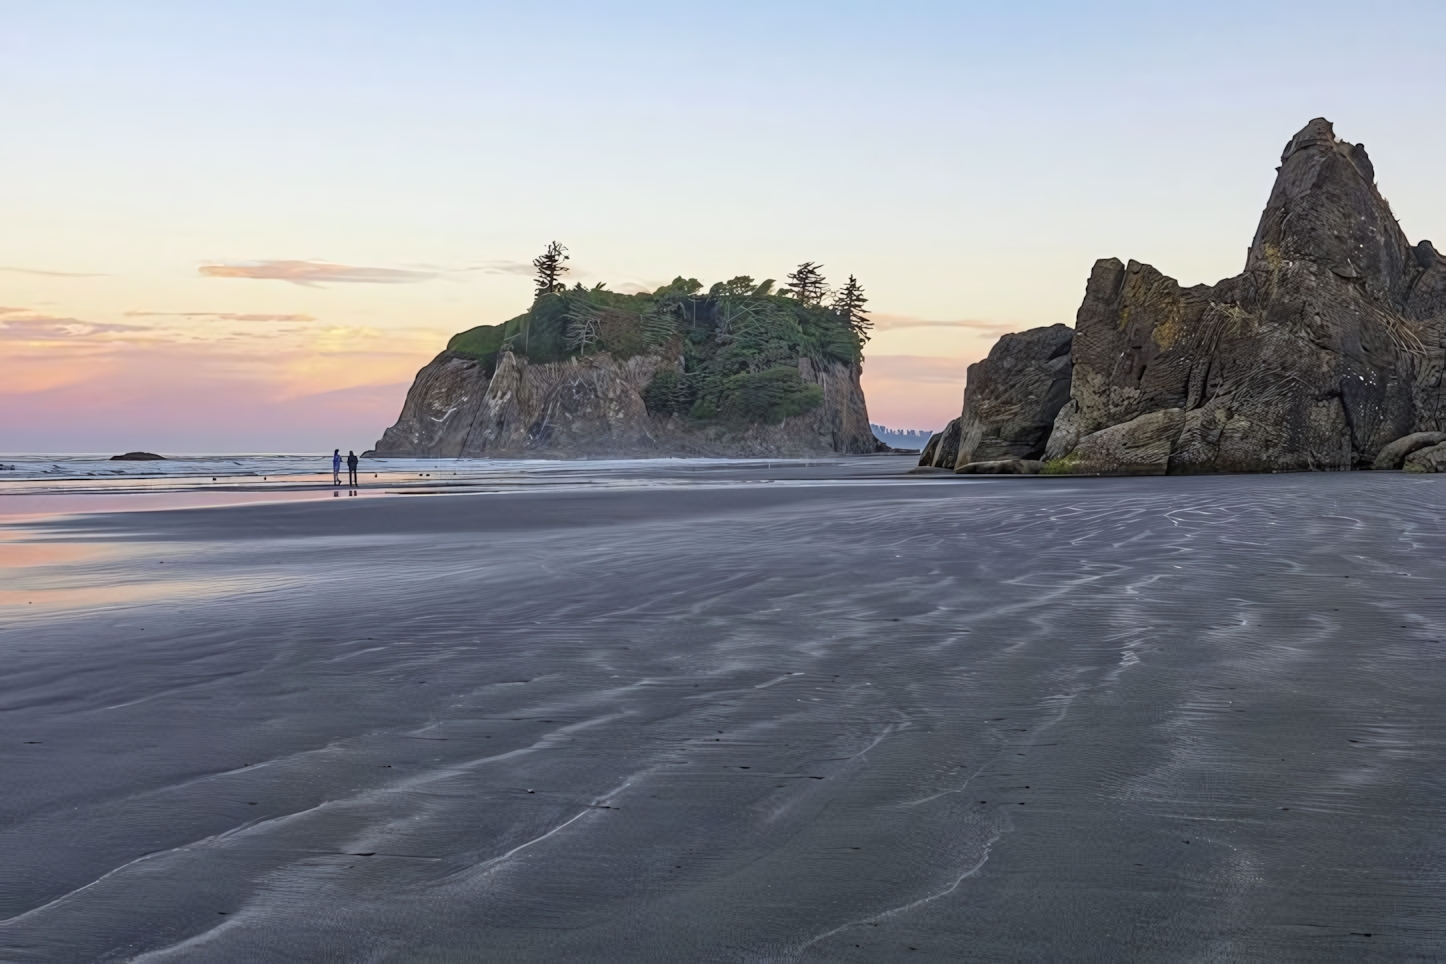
(807, 284)
(849, 303)
(550, 269)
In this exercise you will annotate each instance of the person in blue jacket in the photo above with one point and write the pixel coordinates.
(336, 466)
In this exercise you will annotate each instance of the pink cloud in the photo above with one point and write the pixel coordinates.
(312, 273)
(22, 324)
(504, 267)
(914, 391)
(885, 322)
(218, 315)
(49, 274)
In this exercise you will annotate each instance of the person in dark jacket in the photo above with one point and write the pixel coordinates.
(351, 463)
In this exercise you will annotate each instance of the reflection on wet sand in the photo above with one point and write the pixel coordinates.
(91, 597)
(22, 553)
(42, 573)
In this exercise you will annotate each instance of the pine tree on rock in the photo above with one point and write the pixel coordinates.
(807, 284)
(849, 303)
(550, 269)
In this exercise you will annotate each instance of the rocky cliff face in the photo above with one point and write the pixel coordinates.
(1326, 349)
(593, 406)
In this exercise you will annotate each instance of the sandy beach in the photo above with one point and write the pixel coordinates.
(742, 712)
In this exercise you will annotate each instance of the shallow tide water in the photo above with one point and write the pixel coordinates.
(758, 712)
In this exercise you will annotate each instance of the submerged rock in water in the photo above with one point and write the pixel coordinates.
(138, 457)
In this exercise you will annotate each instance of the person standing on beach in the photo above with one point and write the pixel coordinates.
(336, 466)
(351, 462)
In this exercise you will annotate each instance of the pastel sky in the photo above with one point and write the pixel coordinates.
(243, 227)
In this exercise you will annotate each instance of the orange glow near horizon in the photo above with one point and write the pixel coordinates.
(259, 378)
(193, 389)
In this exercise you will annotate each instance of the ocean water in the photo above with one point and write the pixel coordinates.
(41, 485)
(755, 713)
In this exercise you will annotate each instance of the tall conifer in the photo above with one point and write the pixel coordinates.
(807, 284)
(849, 303)
(550, 269)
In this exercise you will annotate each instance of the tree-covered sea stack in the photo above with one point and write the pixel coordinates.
(741, 368)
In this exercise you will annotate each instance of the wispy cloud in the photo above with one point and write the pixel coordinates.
(917, 368)
(503, 267)
(313, 273)
(22, 324)
(49, 274)
(891, 322)
(218, 315)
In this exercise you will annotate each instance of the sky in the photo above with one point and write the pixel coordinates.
(231, 227)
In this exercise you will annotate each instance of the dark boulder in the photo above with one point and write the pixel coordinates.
(943, 448)
(931, 448)
(1012, 397)
(138, 457)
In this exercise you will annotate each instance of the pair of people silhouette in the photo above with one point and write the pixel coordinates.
(351, 464)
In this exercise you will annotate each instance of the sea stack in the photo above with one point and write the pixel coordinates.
(737, 371)
(1323, 352)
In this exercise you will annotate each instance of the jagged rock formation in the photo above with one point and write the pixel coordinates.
(1326, 349)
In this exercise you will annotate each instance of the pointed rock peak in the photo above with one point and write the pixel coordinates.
(1325, 210)
(1318, 133)
(1321, 134)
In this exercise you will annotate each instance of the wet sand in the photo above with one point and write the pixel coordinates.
(845, 715)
